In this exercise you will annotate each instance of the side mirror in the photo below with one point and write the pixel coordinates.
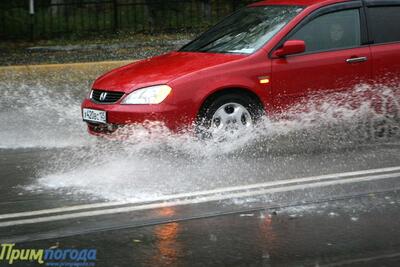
(290, 47)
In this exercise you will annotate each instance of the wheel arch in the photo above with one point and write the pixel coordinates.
(229, 90)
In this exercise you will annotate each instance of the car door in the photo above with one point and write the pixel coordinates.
(384, 24)
(337, 55)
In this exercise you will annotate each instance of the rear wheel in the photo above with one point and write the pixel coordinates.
(229, 115)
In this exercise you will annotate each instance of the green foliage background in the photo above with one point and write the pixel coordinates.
(55, 18)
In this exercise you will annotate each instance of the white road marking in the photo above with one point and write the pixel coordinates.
(362, 260)
(198, 193)
(201, 199)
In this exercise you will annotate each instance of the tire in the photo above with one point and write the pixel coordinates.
(229, 105)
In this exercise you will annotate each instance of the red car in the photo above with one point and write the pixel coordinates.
(261, 59)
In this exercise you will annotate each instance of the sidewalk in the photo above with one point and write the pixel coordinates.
(12, 54)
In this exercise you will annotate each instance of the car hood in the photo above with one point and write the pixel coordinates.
(159, 70)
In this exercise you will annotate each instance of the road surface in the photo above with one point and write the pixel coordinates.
(319, 191)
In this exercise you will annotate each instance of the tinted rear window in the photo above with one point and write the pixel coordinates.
(385, 24)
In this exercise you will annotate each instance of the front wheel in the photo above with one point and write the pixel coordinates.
(227, 116)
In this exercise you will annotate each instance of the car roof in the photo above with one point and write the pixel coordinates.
(295, 2)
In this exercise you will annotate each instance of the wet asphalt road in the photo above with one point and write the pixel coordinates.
(348, 225)
(360, 231)
(307, 197)
(20, 168)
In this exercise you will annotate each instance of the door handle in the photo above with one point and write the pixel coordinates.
(356, 60)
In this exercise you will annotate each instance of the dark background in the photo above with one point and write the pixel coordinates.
(76, 18)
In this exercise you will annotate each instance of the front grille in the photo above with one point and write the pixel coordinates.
(108, 97)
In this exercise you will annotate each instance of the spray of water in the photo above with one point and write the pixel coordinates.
(34, 115)
(153, 161)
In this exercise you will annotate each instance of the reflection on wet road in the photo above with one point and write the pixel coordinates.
(361, 231)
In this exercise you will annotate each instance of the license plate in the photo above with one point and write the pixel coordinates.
(94, 115)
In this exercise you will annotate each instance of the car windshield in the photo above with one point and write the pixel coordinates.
(245, 31)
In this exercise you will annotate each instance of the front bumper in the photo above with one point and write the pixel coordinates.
(119, 115)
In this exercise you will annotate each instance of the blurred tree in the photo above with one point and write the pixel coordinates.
(156, 11)
(65, 7)
(58, 8)
(206, 8)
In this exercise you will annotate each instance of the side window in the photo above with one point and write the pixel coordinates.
(331, 31)
(385, 24)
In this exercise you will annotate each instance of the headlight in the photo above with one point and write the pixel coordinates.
(149, 95)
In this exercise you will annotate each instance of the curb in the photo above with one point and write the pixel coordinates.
(65, 65)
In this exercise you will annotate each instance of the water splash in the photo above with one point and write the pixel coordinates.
(34, 115)
(153, 161)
